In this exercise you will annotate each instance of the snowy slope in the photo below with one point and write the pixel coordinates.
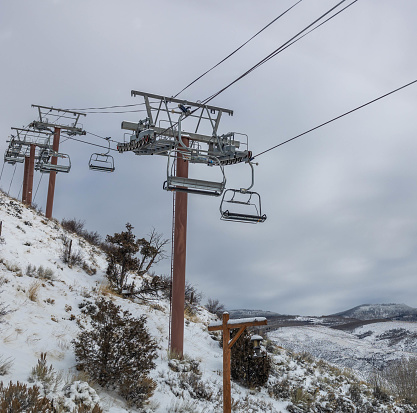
(49, 321)
(379, 311)
(44, 317)
(366, 348)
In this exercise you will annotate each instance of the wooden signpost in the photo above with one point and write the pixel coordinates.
(226, 325)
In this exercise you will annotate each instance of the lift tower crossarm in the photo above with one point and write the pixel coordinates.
(46, 124)
(132, 126)
(182, 102)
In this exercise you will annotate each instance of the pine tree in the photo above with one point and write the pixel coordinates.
(248, 370)
(121, 257)
(122, 249)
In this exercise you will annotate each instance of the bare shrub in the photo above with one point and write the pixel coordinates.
(215, 307)
(68, 256)
(192, 295)
(31, 270)
(93, 237)
(73, 225)
(77, 227)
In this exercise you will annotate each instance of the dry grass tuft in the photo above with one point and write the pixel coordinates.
(33, 291)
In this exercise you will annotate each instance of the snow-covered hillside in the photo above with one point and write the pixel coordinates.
(379, 311)
(43, 296)
(367, 348)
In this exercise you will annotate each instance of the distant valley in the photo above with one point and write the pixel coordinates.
(364, 338)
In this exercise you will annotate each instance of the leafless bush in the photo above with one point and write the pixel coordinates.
(77, 227)
(92, 237)
(31, 270)
(73, 225)
(215, 307)
(70, 257)
(192, 295)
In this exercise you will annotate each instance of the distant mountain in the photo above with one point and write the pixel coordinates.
(380, 311)
(244, 313)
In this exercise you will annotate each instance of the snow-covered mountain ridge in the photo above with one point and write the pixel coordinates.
(44, 299)
(379, 311)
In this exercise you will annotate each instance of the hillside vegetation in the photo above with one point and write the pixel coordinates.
(49, 303)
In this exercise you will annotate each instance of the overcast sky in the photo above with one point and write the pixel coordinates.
(341, 201)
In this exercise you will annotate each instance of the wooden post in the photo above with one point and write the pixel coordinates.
(226, 325)
(180, 250)
(69, 251)
(227, 390)
(52, 176)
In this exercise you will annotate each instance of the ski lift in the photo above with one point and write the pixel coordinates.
(14, 152)
(190, 185)
(246, 204)
(45, 164)
(102, 162)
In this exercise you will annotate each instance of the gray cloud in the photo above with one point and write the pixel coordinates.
(341, 201)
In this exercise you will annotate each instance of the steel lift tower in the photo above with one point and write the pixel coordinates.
(162, 133)
(52, 120)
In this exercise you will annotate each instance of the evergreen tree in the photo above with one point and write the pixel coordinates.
(117, 352)
(247, 369)
(121, 257)
(121, 251)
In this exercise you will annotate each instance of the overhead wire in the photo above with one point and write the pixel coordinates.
(336, 118)
(236, 50)
(102, 137)
(111, 112)
(109, 107)
(270, 56)
(284, 46)
(90, 143)
(277, 51)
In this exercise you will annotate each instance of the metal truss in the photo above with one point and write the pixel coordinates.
(151, 138)
(50, 117)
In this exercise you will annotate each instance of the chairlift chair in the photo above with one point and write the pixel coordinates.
(102, 162)
(45, 164)
(246, 205)
(191, 185)
(14, 153)
(12, 156)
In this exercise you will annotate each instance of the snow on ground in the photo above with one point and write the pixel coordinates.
(44, 314)
(43, 297)
(366, 348)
